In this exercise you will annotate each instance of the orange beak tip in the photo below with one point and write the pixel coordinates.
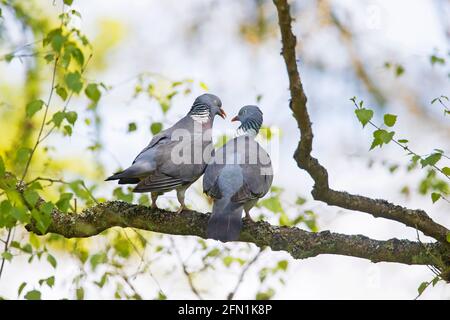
(222, 114)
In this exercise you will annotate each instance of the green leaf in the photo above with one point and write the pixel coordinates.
(445, 170)
(68, 2)
(399, 70)
(403, 141)
(431, 160)
(22, 155)
(33, 107)
(364, 115)
(63, 203)
(27, 248)
(62, 92)
(21, 287)
(381, 137)
(448, 237)
(71, 117)
(80, 293)
(67, 130)
(390, 119)
(73, 81)
(33, 295)
(162, 296)
(435, 196)
(97, 259)
(47, 208)
(49, 57)
(57, 118)
(51, 259)
(57, 40)
(422, 287)
(31, 197)
(42, 219)
(50, 281)
(282, 264)
(204, 86)
(2, 167)
(435, 59)
(156, 127)
(92, 92)
(120, 195)
(273, 204)
(300, 201)
(265, 295)
(435, 280)
(213, 253)
(132, 127)
(7, 256)
(77, 54)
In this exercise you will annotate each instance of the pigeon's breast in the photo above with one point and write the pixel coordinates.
(230, 179)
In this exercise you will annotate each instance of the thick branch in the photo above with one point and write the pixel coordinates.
(299, 243)
(378, 208)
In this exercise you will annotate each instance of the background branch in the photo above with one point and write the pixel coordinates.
(321, 191)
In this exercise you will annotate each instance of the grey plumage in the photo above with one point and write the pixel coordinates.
(239, 174)
(175, 158)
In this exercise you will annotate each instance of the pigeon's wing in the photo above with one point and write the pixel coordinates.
(158, 182)
(210, 183)
(257, 178)
(159, 139)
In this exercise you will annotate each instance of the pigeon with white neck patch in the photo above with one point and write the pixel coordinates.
(239, 174)
(176, 157)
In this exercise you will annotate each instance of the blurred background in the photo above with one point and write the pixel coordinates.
(148, 60)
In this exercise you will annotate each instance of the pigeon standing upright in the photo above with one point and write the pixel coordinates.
(176, 157)
(239, 174)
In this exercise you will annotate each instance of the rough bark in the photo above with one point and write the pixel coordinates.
(299, 243)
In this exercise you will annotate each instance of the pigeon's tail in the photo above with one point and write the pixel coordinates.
(115, 176)
(123, 179)
(226, 221)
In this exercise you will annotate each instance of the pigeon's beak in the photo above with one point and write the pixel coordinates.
(235, 119)
(222, 113)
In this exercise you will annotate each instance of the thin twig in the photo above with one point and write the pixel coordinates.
(67, 102)
(404, 147)
(43, 122)
(185, 271)
(241, 276)
(5, 250)
(141, 255)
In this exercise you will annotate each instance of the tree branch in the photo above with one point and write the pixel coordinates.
(299, 243)
(417, 219)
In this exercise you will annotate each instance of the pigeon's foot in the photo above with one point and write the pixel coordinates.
(249, 218)
(183, 207)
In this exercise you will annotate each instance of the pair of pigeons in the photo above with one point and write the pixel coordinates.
(235, 176)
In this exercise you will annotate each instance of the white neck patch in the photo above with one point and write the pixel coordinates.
(249, 133)
(201, 117)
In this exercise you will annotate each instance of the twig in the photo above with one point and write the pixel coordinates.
(404, 147)
(68, 101)
(185, 271)
(43, 122)
(142, 259)
(241, 276)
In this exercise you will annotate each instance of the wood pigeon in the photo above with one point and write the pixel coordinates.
(176, 157)
(239, 174)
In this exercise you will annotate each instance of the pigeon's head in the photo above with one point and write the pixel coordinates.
(207, 105)
(251, 118)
